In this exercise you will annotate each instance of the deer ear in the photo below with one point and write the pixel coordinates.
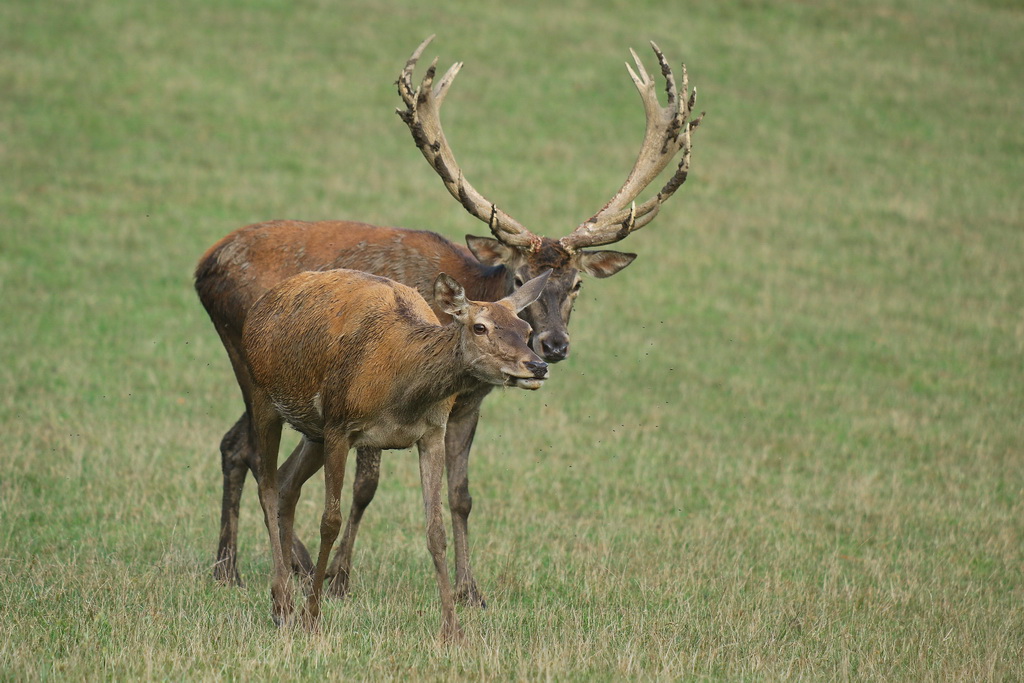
(603, 263)
(449, 296)
(490, 251)
(528, 293)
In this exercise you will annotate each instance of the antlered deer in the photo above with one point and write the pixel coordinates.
(242, 266)
(354, 360)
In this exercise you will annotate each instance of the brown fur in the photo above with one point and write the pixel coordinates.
(355, 360)
(238, 269)
(242, 266)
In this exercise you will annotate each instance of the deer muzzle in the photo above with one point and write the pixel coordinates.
(554, 347)
(535, 380)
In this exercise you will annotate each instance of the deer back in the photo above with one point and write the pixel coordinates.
(241, 267)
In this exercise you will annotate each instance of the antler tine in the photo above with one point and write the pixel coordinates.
(422, 116)
(666, 72)
(667, 133)
(404, 82)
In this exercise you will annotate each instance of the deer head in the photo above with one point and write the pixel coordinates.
(493, 337)
(524, 254)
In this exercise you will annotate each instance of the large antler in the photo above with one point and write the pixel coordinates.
(668, 131)
(423, 118)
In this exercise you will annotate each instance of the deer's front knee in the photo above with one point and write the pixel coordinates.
(437, 542)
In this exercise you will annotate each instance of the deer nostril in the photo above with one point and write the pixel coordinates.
(555, 349)
(538, 368)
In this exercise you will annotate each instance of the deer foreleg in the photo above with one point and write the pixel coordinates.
(458, 442)
(431, 448)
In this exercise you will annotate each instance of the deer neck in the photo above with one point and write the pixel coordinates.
(493, 283)
(443, 369)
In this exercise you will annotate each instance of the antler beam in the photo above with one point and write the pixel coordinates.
(667, 132)
(422, 116)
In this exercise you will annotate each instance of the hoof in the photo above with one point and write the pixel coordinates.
(470, 596)
(281, 608)
(310, 619)
(227, 574)
(337, 589)
(452, 636)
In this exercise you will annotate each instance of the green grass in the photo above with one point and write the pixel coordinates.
(788, 443)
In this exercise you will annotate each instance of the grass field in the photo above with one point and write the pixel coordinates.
(789, 442)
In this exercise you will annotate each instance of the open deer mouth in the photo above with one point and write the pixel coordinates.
(527, 382)
(538, 370)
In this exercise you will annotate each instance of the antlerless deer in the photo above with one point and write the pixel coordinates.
(355, 360)
(246, 263)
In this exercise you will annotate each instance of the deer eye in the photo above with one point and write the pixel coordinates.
(519, 281)
(479, 329)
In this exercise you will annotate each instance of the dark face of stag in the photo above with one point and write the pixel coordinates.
(493, 337)
(549, 314)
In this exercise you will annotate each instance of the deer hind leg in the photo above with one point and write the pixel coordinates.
(267, 428)
(336, 445)
(458, 442)
(363, 489)
(305, 461)
(237, 456)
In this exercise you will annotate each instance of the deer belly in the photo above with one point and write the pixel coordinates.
(390, 436)
(306, 419)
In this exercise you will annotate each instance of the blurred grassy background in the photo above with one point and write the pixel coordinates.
(788, 442)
